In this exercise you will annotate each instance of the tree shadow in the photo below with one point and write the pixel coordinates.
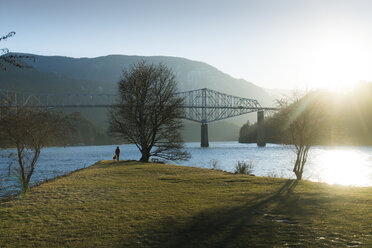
(253, 223)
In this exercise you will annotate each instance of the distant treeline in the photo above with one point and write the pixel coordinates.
(346, 118)
(64, 75)
(86, 133)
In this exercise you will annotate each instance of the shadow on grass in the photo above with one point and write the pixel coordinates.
(253, 223)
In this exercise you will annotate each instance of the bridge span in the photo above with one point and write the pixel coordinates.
(202, 106)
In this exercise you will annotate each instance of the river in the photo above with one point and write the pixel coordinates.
(345, 165)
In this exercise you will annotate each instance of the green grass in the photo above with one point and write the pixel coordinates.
(130, 204)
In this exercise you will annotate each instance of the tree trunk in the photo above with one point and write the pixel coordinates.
(300, 161)
(24, 187)
(298, 175)
(145, 156)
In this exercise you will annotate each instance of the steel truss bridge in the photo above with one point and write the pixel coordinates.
(203, 105)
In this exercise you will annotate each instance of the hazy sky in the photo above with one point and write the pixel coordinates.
(275, 44)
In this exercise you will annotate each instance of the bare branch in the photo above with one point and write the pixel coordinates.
(12, 59)
(29, 130)
(148, 113)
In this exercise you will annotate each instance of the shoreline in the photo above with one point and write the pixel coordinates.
(19, 194)
(37, 184)
(127, 203)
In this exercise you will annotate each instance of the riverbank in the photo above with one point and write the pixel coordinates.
(130, 204)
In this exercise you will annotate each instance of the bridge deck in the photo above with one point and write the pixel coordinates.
(203, 105)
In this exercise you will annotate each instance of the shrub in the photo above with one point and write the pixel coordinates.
(244, 167)
(214, 164)
(156, 160)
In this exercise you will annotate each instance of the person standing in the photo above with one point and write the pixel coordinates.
(117, 153)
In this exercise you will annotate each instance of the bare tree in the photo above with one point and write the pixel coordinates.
(29, 130)
(148, 114)
(14, 60)
(302, 120)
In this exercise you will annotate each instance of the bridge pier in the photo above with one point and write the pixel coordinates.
(203, 106)
(204, 135)
(261, 129)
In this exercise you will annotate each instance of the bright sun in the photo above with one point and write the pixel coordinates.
(335, 62)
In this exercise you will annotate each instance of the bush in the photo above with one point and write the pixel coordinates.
(214, 164)
(156, 160)
(244, 167)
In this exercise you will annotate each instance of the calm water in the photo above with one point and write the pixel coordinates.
(334, 165)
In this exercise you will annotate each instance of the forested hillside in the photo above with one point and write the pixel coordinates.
(57, 74)
(346, 119)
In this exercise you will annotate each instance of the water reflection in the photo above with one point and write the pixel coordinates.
(343, 166)
(333, 165)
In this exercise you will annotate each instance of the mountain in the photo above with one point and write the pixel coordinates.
(58, 74)
(190, 74)
(279, 93)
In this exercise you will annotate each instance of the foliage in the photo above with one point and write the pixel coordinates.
(214, 164)
(302, 121)
(100, 75)
(273, 133)
(87, 133)
(346, 119)
(29, 130)
(157, 160)
(148, 114)
(122, 204)
(11, 59)
(244, 167)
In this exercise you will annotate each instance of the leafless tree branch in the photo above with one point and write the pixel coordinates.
(148, 114)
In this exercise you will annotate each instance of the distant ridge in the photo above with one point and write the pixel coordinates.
(107, 71)
(59, 74)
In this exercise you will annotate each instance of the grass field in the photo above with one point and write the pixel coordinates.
(131, 204)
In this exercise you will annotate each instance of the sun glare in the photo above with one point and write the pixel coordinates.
(336, 62)
(345, 167)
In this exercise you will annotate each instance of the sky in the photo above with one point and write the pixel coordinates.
(286, 44)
